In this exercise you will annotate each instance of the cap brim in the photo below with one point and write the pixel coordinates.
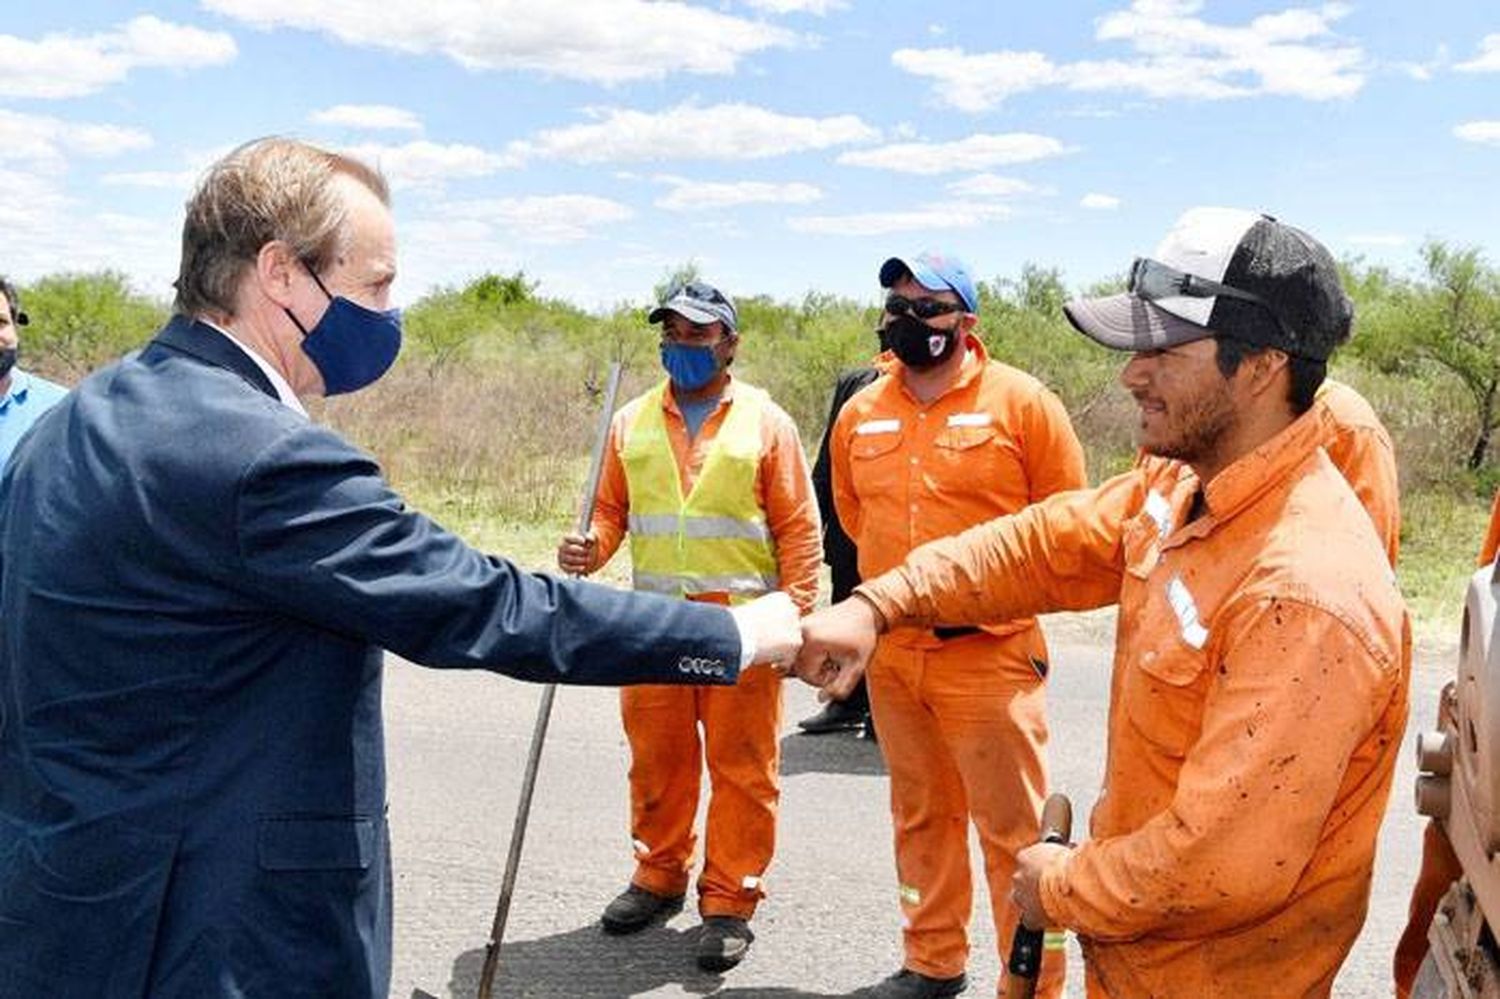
(688, 312)
(1128, 322)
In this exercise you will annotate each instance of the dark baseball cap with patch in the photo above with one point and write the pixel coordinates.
(1230, 273)
(697, 302)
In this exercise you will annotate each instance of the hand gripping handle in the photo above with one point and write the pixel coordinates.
(1026, 946)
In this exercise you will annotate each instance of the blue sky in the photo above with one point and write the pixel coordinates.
(784, 145)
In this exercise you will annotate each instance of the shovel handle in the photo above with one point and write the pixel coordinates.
(1026, 946)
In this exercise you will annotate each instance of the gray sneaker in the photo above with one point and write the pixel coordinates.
(635, 908)
(723, 942)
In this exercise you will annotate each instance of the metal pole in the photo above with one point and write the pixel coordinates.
(543, 714)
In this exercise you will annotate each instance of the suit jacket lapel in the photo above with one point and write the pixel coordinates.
(212, 347)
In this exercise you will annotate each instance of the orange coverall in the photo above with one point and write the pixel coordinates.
(1361, 448)
(1440, 866)
(740, 724)
(1258, 696)
(962, 721)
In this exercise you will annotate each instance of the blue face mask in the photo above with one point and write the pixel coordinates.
(351, 346)
(689, 367)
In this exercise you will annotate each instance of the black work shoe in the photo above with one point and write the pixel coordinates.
(723, 942)
(908, 984)
(635, 908)
(836, 716)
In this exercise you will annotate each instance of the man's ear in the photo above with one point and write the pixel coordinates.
(276, 267)
(967, 321)
(1265, 367)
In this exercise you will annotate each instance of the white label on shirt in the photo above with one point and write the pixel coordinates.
(878, 427)
(749, 883)
(1159, 510)
(969, 420)
(1186, 610)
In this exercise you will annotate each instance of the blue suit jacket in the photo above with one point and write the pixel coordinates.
(196, 585)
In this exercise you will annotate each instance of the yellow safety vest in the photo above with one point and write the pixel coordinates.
(715, 541)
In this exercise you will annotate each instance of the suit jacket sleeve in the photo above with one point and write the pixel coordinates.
(322, 537)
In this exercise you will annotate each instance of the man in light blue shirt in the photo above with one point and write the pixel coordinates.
(23, 396)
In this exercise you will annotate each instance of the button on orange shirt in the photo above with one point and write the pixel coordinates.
(783, 488)
(1258, 697)
(905, 472)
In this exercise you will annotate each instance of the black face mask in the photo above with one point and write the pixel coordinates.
(918, 345)
(7, 360)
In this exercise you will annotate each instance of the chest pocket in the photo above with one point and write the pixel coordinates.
(875, 456)
(1164, 695)
(1165, 686)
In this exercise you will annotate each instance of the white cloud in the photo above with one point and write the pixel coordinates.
(63, 65)
(426, 164)
(1485, 132)
(1292, 53)
(933, 217)
(602, 41)
(368, 116)
(48, 230)
(977, 82)
(991, 185)
(1488, 59)
(689, 195)
(716, 132)
(818, 7)
(554, 218)
(977, 152)
(45, 140)
(1099, 202)
(166, 180)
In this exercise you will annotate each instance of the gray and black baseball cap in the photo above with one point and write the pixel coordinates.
(697, 302)
(1231, 273)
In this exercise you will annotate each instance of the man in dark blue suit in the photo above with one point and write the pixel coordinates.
(197, 584)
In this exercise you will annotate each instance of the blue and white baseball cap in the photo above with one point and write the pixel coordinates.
(698, 302)
(934, 271)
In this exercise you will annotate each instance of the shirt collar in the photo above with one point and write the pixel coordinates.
(1252, 474)
(20, 384)
(283, 390)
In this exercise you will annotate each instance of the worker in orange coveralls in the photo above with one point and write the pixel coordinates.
(1262, 658)
(947, 438)
(1360, 447)
(1440, 866)
(708, 476)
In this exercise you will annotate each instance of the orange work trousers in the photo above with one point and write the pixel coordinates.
(739, 727)
(964, 731)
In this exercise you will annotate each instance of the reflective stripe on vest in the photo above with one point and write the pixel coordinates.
(715, 540)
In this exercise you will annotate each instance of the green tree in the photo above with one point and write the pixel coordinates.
(80, 321)
(1451, 320)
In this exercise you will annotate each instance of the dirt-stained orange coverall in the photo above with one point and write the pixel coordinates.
(1258, 697)
(740, 724)
(961, 718)
(1440, 866)
(1361, 449)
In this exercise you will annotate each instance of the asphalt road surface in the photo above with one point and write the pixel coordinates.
(457, 745)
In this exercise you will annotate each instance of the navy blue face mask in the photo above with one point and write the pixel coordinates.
(351, 346)
(689, 366)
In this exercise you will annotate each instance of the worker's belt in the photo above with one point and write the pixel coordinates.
(947, 634)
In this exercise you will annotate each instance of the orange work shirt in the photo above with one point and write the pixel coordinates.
(1492, 536)
(906, 472)
(783, 487)
(1257, 701)
(1361, 449)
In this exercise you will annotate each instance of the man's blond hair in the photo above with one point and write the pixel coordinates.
(268, 189)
